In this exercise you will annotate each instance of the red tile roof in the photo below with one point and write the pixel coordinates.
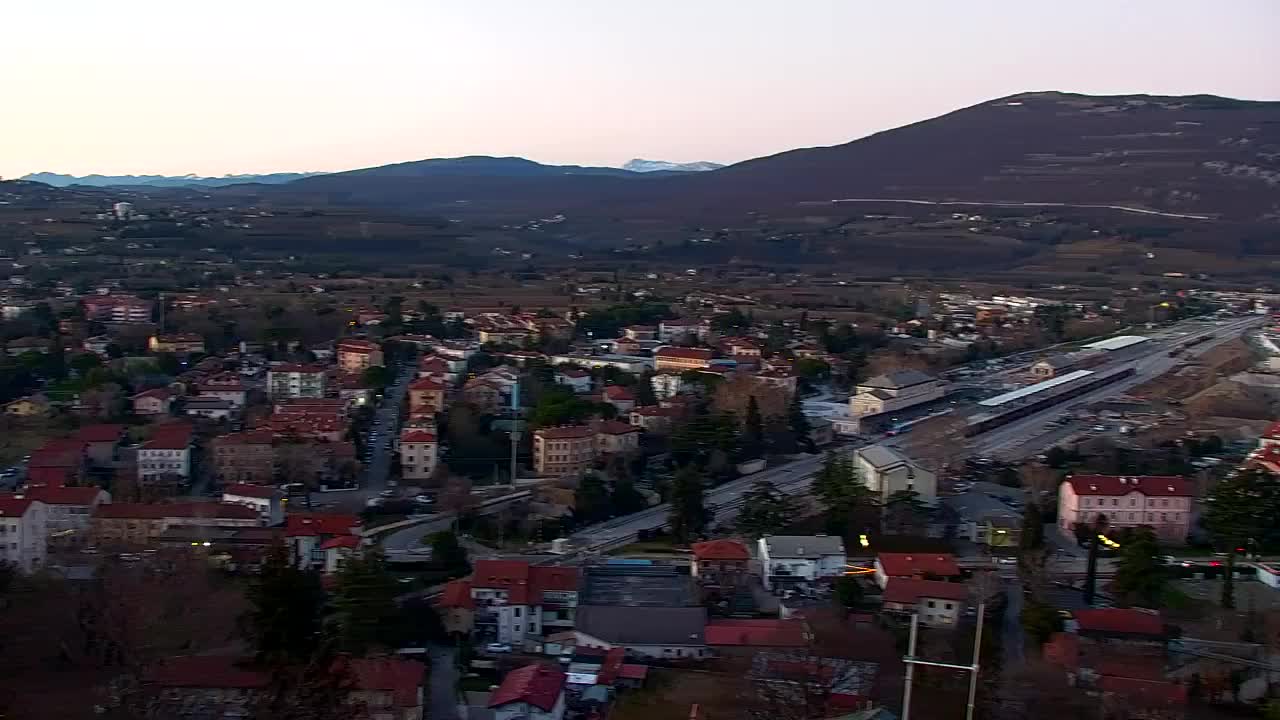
(756, 633)
(158, 393)
(1144, 693)
(402, 678)
(684, 352)
(537, 685)
(908, 591)
(417, 436)
(226, 511)
(564, 432)
(911, 564)
(14, 506)
(1126, 621)
(614, 427)
(56, 495)
(48, 476)
(1116, 485)
(169, 437)
(553, 579)
(456, 594)
(310, 524)
(60, 453)
(100, 433)
(524, 584)
(721, 550)
(611, 666)
(296, 368)
(425, 383)
(341, 541)
(619, 393)
(1063, 649)
(262, 492)
(248, 437)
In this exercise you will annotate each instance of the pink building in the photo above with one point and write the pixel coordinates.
(1163, 503)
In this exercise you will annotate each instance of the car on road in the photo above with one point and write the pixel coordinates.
(388, 493)
(424, 499)
(497, 648)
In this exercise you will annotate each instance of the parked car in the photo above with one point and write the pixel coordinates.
(424, 499)
(387, 493)
(497, 648)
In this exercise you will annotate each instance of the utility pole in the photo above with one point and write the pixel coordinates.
(911, 661)
(515, 429)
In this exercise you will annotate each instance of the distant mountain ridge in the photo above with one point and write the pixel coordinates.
(642, 166)
(173, 181)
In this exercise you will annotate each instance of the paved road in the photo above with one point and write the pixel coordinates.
(1013, 643)
(378, 468)
(443, 689)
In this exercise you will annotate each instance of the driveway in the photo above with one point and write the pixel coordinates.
(443, 684)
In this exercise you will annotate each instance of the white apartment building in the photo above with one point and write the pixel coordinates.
(167, 453)
(68, 510)
(295, 381)
(267, 501)
(887, 471)
(23, 532)
(789, 558)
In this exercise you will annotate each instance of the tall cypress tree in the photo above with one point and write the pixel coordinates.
(753, 431)
(283, 623)
(365, 614)
(689, 516)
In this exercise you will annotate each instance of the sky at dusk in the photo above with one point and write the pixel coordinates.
(173, 87)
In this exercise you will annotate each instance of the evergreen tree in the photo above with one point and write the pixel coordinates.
(798, 423)
(904, 510)
(848, 591)
(591, 502)
(1140, 576)
(365, 615)
(765, 510)
(645, 395)
(283, 623)
(753, 431)
(1240, 512)
(1032, 535)
(841, 492)
(319, 689)
(449, 554)
(689, 516)
(1091, 571)
(626, 499)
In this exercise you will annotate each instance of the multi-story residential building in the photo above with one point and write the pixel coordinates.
(291, 380)
(418, 454)
(484, 394)
(426, 396)
(1162, 502)
(667, 384)
(654, 418)
(208, 408)
(566, 450)
(178, 344)
(139, 524)
(886, 471)
(168, 452)
(68, 511)
(895, 391)
(245, 457)
(533, 692)
(626, 363)
(787, 559)
(156, 401)
(61, 461)
(267, 501)
(742, 348)
(441, 369)
(101, 443)
(937, 602)
(682, 358)
(233, 391)
(356, 355)
(117, 309)
(518, 603)
(617, 438)
(23, 532)
(721, 563)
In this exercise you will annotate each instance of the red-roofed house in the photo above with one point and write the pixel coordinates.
(418, 454)
(457, 610)
(426, 396)
(168, 452)
(576, 379)
(762, 633)
(267, 501)
(156, 401)
(682, 358)
(920, 566)
(101, 443)
(1271, 436)
(939, 603)
(355, 355)
(245, 457)
(307, 533)
(58, 462)
(620, 397)
(24, 524)
(616, 437)
(68, 511)
(723, 563)
(533, 692)
(516, 602)
(1161, 502)
(1134, 698)
(655, 419)
(385, 688)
